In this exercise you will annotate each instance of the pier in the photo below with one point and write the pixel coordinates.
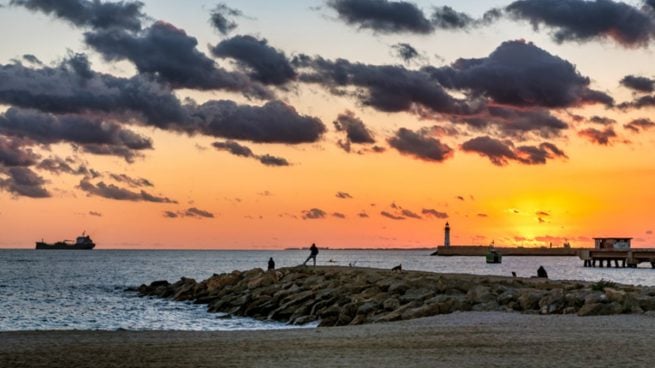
(618, 258)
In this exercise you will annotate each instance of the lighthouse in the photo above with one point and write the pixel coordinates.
(446, 239)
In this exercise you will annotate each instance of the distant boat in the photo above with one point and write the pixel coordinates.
(494, 257)
(82, 242)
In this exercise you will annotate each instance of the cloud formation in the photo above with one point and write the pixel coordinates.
(171, 56)
(519, 73)
(274, 122)
(343, 195)
(420, 145)
(434, 213)
(406, 52)
(22, 181)
(445, 17)
(92, 135)
(383, 16)
(602, 137)
(391, 216)
(260, 61)
(501, 153)
(638, 125)
(192, 212)
(582, 20)
(94, 14)
(313, 214)
(243, 151)
(222, 18)
(638, 83)
(111, 191)
(14, 153)
(388, 88)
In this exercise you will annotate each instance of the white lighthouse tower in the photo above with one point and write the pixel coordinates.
(446, 240)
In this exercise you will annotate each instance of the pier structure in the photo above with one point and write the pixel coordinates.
(617, 251)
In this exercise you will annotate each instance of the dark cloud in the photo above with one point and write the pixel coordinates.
(234, 148)
(518, 123)
(261, 61)
(92, 135)
(133, 182)
(581, 20)
(500, 153)
(641, 102)
(638, 125)
(339, 215)
(362, 214)
(198, 213)
(58, 165)
(434, 213)
(274, 122)
(409, 214)
(446, 17)
(171, 214)
(72, 87)
(521, 74)
(382, 15)
(406, 52)
(483, 215)
(391, 216)
(639, 84)
(602, 120)
(94, 14)
(542, 214)
(343, 195)
(269, 160)
(32, 59)
(22, 181)
(356, 131)
(389, 88)
(243, 151)
(603, 137)
(313, 214)
(14, 153)
(170, 55)
(420, 145)
(111, 191)
(94, 213)
(222, 18)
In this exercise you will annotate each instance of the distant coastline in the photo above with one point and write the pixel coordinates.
(427, 249)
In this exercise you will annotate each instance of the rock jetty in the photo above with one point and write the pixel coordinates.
(336, 296)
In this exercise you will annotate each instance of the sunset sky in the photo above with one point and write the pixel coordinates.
(257, 124)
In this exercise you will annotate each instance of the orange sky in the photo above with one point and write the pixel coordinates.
(599, 190)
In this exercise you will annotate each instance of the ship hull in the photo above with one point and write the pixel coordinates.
(41, 245)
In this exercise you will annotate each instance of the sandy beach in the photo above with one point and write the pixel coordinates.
(470, 339)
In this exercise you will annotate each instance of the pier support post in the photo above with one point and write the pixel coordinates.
(616, 263)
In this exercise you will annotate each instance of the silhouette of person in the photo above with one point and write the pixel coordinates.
(541, 272)
(271, 264)
(313, 252)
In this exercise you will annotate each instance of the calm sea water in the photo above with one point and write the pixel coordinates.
(54, 290)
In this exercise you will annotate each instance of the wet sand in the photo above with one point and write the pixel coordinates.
(456, 340)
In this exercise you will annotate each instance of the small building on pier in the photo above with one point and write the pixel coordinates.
(612, 243)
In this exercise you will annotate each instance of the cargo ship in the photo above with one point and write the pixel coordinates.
(82, 242)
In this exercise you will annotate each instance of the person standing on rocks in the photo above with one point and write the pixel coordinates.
(271, 264)
(313, 252)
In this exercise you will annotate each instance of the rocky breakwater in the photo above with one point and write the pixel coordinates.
(338, 296)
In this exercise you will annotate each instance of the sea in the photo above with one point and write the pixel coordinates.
(89, 290)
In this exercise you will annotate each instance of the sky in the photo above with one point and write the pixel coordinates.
(170, 124)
